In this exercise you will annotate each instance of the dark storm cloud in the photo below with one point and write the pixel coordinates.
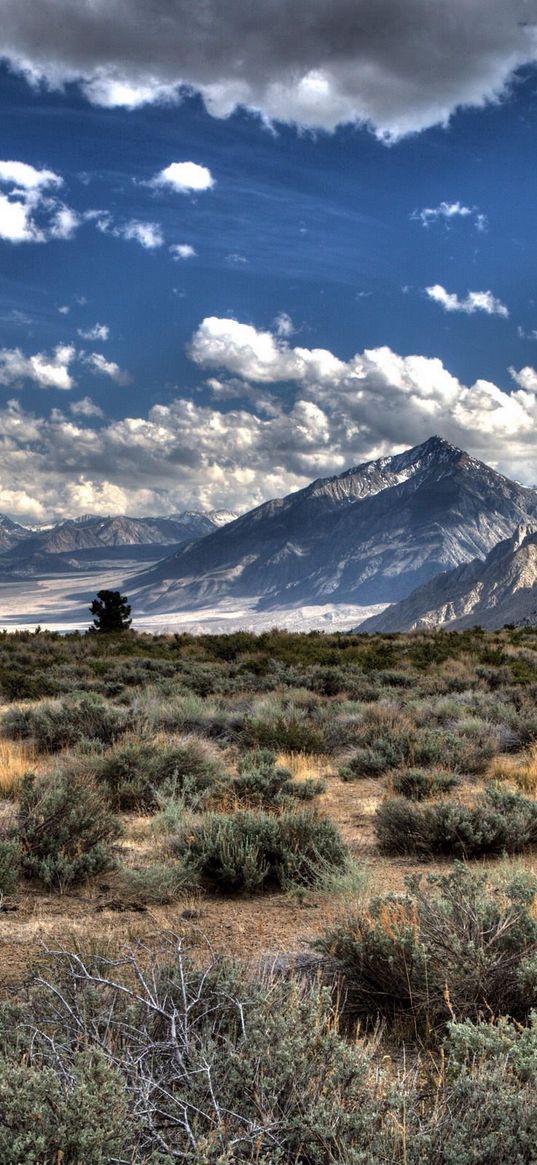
(399, 65)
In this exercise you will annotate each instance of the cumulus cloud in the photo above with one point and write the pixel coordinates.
(474, 301)
(86, 407)
(22, 176)
(182, 251)
(97, 332)
(103, 367)
(350, 61)
(184, 177)
(55, 370)
(28, 212)
(44, 371)
(335, 414)
(447, 211)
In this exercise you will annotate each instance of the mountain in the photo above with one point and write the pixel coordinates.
(11, 533)
(370, 535)
(501, 589)
(71, 544)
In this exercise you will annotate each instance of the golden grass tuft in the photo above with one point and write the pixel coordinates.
(521, 772)
(16, 759)
(304, 765)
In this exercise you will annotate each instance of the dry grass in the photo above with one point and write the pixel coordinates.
(521, 772)
(304, 765)
(16, 759)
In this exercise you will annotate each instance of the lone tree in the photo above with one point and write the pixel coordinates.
(110, 612)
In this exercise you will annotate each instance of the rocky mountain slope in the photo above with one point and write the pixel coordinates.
(501, 589)
(69, 545)
(370, 535)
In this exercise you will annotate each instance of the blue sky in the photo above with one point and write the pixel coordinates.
(141, 379)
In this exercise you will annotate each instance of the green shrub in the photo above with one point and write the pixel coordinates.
(485, 1113)
(49, 1116)
(57, 724)
(65, 829)
(10, 863)
(450, 948)
(418, 784)
(369, 762)
(257, 851)
(384, 747)
(220, 1067)
(261, 784)
(499, 822)
(137, 773)
(288, 732)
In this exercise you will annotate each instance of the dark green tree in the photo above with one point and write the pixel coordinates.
(110, 612)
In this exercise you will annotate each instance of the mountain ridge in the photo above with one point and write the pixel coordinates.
(52, 547)
(501, 589)
(368, 535)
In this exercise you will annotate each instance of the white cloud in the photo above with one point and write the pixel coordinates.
(64, 222)
(97, 332)
(64, 310)
(25, 177)
(185, 177)
(450, 210)
(148, 234)
(55, 370)
(474, 301)
(45, 371)
(86, 407)
(182, 251)
(283, 325)
(103, 367)
(236, 453)
(335, 414)
(28, 214)
(16, 223)
(322, 65)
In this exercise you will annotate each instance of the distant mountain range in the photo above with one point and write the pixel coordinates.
(369, 536)
(501, 589)
(437, 536)
(72, 544)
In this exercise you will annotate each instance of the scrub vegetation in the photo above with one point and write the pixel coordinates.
(268, 899)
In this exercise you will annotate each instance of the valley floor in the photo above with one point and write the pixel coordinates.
(60, 603)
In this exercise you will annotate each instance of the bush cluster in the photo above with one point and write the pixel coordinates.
(57, 724)
(261, 783)
(449, 949)
(137, 773)
(64, 829)
(499, 822)
(251, 851)
(419, 784)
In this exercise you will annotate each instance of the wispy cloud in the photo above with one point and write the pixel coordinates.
(448, 211)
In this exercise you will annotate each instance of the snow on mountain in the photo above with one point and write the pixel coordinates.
(368, 536)
(41, 549)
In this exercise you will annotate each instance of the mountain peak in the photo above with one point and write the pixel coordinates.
(436, 445)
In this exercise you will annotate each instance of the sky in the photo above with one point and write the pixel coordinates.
(244, 246)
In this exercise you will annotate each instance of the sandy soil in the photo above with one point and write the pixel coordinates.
(244, 927)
